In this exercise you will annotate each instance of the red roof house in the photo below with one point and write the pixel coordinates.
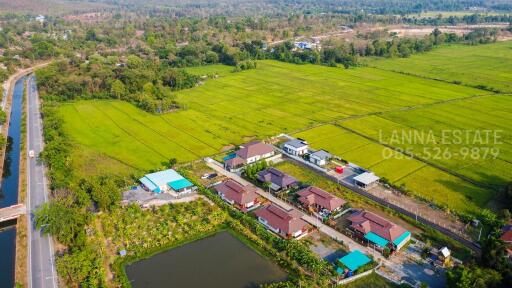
(234, 163)
(278, 180)
(249, 153)
(286, 223)
(231, 191)
(254, 151)
(378, 230)
(506, 235)
(315, 197)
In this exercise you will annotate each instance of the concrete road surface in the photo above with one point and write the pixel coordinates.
(41, 266)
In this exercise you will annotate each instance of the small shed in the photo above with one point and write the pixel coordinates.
(122, 253)
(366, 180)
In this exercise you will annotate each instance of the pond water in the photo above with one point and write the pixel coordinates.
(221, 260)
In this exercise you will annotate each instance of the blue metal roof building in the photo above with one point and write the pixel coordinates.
(161, 181)
(354, 260)
(374, 238)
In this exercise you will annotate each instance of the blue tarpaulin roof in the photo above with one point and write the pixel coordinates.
(354, 260)
(180, 184)
(376, 239)
(400, 239)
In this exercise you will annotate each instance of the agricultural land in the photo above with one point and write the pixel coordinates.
(485, 66)
(347, 111)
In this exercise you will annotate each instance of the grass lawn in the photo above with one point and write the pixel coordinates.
(373, 280)
(218, 69)
(487, 65)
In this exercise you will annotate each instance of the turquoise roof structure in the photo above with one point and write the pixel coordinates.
(354, 260)
(402, 237)
(180, 184)
(340, 271)
(150, 185)
(374, 238)
(158, 179)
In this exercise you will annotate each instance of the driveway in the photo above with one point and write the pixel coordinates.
(409, 266)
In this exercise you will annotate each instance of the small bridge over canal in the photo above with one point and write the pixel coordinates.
(12, 212)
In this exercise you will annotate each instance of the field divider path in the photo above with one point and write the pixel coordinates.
(437, 79)
(157, 132)
(413, 156)
(130, 134)
(377, 113)
(185, 132)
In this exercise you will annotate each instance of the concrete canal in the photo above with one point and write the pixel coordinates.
(9, 188)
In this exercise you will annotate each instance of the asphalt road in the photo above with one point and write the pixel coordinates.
(41, 268)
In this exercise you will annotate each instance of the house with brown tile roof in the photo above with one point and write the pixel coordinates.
(286, 223)
(506, 234)
(318, 199)
(378, 230)
(278, 180)
(248, 154)
(243, 197)
(254, 151)
(233, 164)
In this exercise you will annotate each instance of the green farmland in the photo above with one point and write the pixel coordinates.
(421, 179)
(286, 98)
(485, 65)
(275, 98)
(471, 157)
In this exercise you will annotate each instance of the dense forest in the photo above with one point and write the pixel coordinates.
(261, 7)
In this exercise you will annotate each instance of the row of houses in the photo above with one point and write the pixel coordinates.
(363, 224)
(286, 223)
(300, 148)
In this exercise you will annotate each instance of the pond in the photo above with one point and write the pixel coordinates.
(221, 260)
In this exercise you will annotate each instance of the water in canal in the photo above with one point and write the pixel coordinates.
(9, 188)
(219, 261)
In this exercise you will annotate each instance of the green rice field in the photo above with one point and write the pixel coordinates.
(485, 65)
(421, 179)
(237, 107)
(279, 98)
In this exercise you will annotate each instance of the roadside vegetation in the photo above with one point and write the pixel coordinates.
(135, 89)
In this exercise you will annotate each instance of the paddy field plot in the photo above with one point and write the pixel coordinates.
(472, 137)
(236, 107)
(421, 179)
(486, 65)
